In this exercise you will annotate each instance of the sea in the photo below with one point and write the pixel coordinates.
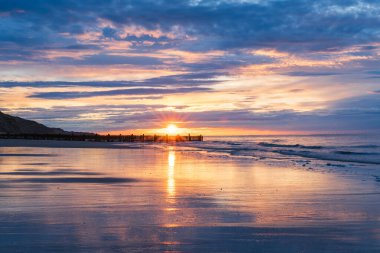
(331, 150)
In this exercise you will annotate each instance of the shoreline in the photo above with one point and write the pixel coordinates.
(306, 163)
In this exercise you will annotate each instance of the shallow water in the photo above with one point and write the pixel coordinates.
(360, 148)
(173, 200)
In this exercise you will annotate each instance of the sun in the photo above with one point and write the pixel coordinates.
(172, 129)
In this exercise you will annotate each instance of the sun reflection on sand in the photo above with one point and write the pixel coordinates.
(171, 177)
(170, 210)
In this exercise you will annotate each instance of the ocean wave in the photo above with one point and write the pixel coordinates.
(340, 152)
(330, 156)
(279, 151)
(267, 144)
(366, 146)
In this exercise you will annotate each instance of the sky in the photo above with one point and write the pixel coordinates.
(211, 67)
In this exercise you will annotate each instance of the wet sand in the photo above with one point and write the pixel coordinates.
(66, 144)
(171, 200)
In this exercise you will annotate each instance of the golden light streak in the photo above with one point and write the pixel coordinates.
(170, 188)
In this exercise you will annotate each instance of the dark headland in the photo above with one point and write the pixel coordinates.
(16, 125)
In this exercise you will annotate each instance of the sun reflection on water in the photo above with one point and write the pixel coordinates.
(170, 188)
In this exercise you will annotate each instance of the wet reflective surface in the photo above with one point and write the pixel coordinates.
(170, 200)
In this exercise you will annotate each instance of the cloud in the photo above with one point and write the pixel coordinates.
(293, 25)
(104, 59)
(147, 37)
(112, 33)
(118, 92)
(174, 84)
(316, 73)
(182, 80)
(367, 103)
(81, 47)
(133, 33)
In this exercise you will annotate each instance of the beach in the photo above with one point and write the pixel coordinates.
(190, 197)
